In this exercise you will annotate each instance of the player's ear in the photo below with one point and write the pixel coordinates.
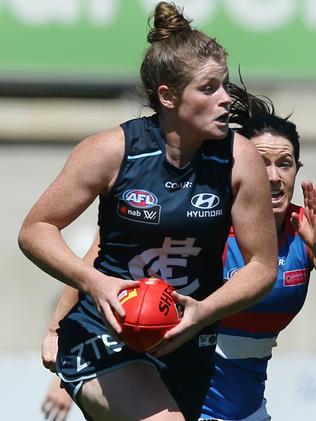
(166, 96)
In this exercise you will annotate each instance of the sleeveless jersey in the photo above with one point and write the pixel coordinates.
(166, 221)
(246, 339)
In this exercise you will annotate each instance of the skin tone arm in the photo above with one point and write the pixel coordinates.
(67, 300)
(251, 209)
(306, 225)
(90, 170)
(57, 403)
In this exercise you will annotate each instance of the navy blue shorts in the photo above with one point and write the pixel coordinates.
(87, 350)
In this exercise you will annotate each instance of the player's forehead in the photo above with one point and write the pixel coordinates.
(269, 144)
(211, 70)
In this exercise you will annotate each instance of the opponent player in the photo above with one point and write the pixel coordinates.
(170, 186)
(246, 339)
(57, 403)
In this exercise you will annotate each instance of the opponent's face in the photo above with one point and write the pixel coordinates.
(278, 155)
(203, 108)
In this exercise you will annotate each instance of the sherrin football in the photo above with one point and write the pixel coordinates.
(150, 311)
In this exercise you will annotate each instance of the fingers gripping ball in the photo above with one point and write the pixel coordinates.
(150, 312)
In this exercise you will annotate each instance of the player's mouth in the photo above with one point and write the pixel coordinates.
(276, 195)
(223, 119)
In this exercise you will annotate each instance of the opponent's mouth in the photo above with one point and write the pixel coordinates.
(276, 194)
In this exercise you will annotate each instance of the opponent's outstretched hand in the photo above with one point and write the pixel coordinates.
(56, 403)
(305, 224)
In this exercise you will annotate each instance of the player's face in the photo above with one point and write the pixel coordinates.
(278, 155)
(203, 108)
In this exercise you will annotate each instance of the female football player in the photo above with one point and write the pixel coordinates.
(169, 187)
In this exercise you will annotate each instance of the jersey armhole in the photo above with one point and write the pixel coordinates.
(122, 166)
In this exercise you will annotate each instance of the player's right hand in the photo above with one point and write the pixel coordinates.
(105, 296)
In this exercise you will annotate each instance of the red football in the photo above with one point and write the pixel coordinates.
(149, 312)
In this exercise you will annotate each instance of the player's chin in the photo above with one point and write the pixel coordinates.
(279, 209)
(219, 131)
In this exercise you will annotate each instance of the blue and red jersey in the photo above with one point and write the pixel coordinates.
(246, 339)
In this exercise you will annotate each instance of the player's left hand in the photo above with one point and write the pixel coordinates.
(305, 224)
(189, 326)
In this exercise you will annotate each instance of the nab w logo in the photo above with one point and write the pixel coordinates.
(139, 214)
(150, 214)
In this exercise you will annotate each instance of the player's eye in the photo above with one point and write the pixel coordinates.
(286, 164)
(209, 89)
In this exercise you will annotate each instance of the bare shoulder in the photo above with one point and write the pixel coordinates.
(99, 155)
(248, 164)
(244, 149)
(106, 144)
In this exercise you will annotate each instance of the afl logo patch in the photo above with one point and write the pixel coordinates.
(142, 199)
(205, 201)
(140, 206)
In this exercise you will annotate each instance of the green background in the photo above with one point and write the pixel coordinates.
(115, 51)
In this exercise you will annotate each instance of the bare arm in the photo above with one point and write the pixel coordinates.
(90, 170)
(68, 298)
(255, 232)
(305, 224)
(57, 402)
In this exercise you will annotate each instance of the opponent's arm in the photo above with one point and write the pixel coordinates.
(69, 295)
(57, 403)
(68, 298)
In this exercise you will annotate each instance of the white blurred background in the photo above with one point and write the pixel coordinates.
(69, 69)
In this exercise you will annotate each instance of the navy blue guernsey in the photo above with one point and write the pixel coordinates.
(166, 221)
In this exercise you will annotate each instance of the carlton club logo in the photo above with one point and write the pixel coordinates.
(139, 205)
